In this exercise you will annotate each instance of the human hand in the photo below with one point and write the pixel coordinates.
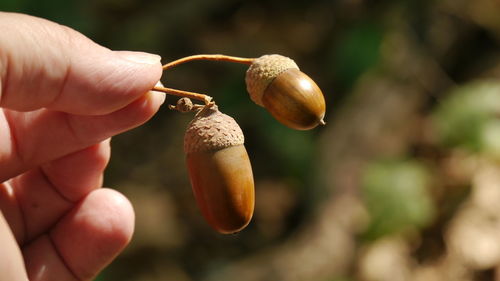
(61, 98)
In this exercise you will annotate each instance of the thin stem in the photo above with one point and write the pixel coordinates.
(216, 57)
(180, 93)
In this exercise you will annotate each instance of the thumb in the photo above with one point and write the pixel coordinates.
(46, 65)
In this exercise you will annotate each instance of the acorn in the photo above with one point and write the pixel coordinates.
(276, 83)
(219, 170)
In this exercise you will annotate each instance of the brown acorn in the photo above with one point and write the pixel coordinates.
(220, 171)
(276, 83)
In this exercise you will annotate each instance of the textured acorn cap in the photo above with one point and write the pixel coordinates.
(212, 130)
(262, 72)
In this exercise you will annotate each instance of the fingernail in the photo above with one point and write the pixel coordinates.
(158, 95)
(139, 57)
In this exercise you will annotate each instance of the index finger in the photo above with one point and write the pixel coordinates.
(46, 65)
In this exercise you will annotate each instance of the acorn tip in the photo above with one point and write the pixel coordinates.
(322, 122)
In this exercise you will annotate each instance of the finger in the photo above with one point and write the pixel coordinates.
(11, 261)
(84, 241)
(36, 200)
(59, 133)
(46, 65)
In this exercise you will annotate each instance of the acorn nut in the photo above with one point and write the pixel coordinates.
(276, 83)
(219, 170)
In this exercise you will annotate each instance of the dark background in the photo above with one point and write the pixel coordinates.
(403, 183)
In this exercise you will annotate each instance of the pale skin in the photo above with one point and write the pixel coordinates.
(62, 97)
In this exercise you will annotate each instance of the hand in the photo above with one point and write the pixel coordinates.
(61, 98)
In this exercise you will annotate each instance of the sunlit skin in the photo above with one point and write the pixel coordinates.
(62, 98)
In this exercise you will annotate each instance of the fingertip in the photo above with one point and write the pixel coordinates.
(146, 66)
(140, 110)
(55, 67)
(121, 217)
(136, 113)
(108, 82)
(139, 57)
(91, 235)
(124, 216)
(157, 98)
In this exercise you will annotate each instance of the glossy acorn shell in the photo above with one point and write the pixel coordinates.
(295, 100)
(223, 186)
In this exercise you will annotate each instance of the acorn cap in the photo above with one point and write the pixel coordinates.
(212, 130)
(262, 72)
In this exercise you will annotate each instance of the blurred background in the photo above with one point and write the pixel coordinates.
(403, 183)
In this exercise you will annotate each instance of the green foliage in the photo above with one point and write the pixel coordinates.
(294, 147)
(358, 51)
(468, 118)
(490, 137)
(397, 196)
